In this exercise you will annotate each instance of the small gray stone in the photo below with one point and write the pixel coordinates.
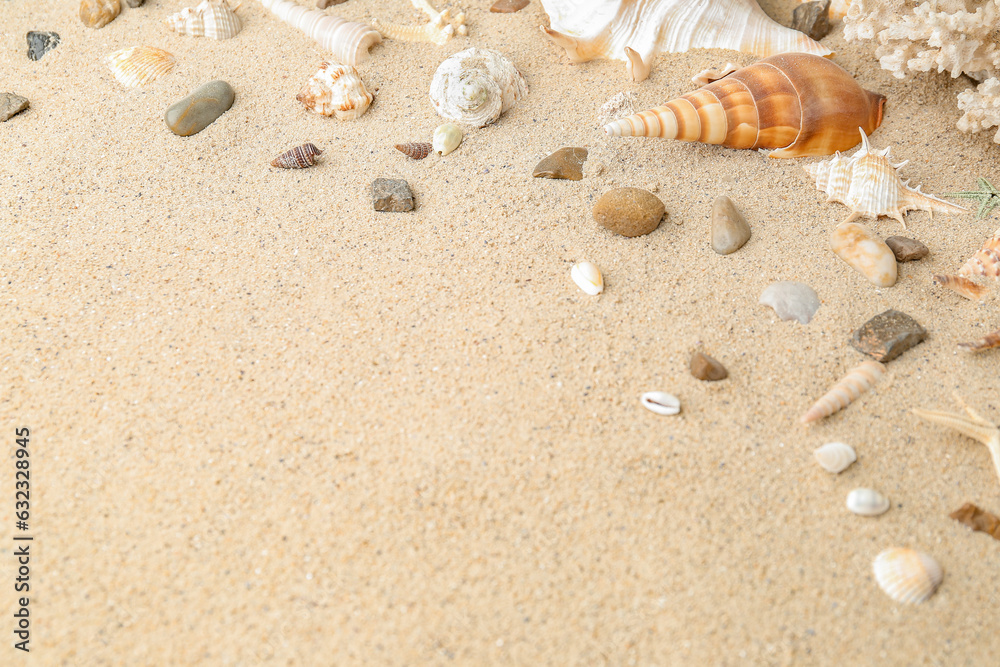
(812, 18)
(888, 335)
(135, 3)
(11, 105)
(40, 43)
(730, 230)
(629, 211)
(392, 194)
(323, 4)
(565, 163)
(706, 368)
(791, 300)
(906, 249)
(200, 109)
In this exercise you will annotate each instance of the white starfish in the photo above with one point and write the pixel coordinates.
(974, 426)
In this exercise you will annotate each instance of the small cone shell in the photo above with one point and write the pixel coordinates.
(299, 157)
(139, 65)
(842, 394)
(987, 342)
(906, 575)
(417, 150)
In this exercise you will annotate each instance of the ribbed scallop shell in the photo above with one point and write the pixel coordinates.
(867, 502)
(348, 41)
(475, 86)
(215, 21)
(986, 262)
(835, 457)
(139, 65)
(637, 30)
(336, 90)
(417, 150)
(963, 286)
(906, 575)
(842, 394)
(299, 157)
(798, 103)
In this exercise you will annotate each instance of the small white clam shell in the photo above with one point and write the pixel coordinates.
(907, 575)
(588, 278)
(661, 402)
(835, 456)
(867, 502)
(447, 138)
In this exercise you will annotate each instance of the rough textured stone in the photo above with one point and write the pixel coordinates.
(392, 194)
(730, 230)
(888, 335)
(629, 211)
(565, 163)
(812, 18)
(791, 300)
(40, 43)
(906, 249)
(706, 368)
(135, 3)
(11, 105)
(200, 109)
(99, 13)
(508, 6)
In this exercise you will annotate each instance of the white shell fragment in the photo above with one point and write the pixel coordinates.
(867, 502)
(906, 575)
(587, 277)
(475, 86)
(447, 138)
(661, 403)
(336, 90)
(791, 300)
(139, 65)
(835, 457)
(215, 21)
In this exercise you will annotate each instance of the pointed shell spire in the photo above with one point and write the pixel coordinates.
(858, 381)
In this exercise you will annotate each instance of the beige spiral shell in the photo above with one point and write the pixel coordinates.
(987, 342)
(139, 65)
(474, 86)
(212, 20)
(348, 41)
(906, 575)
(986, 262)
(299, 157)
(417, 150)
(962, 286)
(842, 394)
(336, 90)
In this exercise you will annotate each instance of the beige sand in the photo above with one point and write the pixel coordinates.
(272, 426)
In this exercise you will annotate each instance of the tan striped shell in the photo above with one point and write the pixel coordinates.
(348, 41)
(215, 21)
(962, 286)
(906, 575)
(842, 394)
(987, 342)
(139, 65)
(798, 103)
(986, 262)
(336, 90)
(417, 150)
(299, 157)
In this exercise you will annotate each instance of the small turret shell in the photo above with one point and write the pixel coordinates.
(299, 157)
(858, 381)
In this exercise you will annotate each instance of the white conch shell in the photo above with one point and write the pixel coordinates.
(215, 21)
(348, 41)
(139, 65)
(336, 90)
(842, 394)
(835, 457)
(475, 86)
(437, 30)
(870, 185)
(907, 575)
(636, 30)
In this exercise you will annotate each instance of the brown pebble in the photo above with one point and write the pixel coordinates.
(323, 4)
(888, 335)
(706, 368)
(812, 18)
(978, 519)
(906, 249)
(99, 13)
(392, 194)
(629, 211)
(508, 6)
(566, 163)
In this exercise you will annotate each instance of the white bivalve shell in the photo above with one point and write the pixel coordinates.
(906, 575)
(835, 457)
(475, 86)
(336, 90)
(661, 403)
(215, 21)
(867, 502)
(587, 277)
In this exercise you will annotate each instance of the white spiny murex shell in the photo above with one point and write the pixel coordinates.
(906, 575)
(635, 31)
(437, 30)
(661, 403)
(835, 457)
(447, 138)
(870, 185)
(215, 21)
(348, 41)
(336, 90)
(475, 86)
(587, 277)
(139, 65)
(842, 394)
(867, 502)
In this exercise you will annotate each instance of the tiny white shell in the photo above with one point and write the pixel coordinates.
(835, 456)
(447, 138)
(588, 278)
(867, 502)
(661, 402)
(907, 575)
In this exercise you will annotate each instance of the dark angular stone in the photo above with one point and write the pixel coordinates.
(706, 368)
(11, 105)
(812, 18)
(565, 163)
(135, 3)
(906, 249)
(200, 109)
(392, 194)
(888, 335)
(40, 43)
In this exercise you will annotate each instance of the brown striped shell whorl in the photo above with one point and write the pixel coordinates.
(299, 157)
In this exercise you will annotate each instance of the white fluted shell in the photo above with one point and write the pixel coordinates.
(835, 457)
(215, 21)
(348, 41)
(907, 575)
(474, 86)
(336, 90)
(139, 65)
(867, 502)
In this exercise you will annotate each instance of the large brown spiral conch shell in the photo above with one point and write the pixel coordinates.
(798, 103)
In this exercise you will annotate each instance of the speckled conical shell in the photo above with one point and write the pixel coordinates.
(870, 185)
(139, 65)
(906, 575)
(300, 157)
(474, 86)
(636, 30)
(348, 41)
(835, 457)
(417, 150)
(842, 394)
(336, 90)
(797, 103)
(986, 262)
(215, 21)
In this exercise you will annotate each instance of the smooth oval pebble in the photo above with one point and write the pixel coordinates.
(706, 368)
(629, 211)
(864, 252)
(98, 13)
(508, 6)
(730, 230)
(200, 109)
(907, 575)
(835, 457)
(565, 163)
(661, 402)
(791, 300)
(587, 277)
(867, 502)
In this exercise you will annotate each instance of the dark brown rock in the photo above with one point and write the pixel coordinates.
(11, 105)
(812, 18)
(629, 211)
(906, 249)
(706, 368)
(508, 6)
(977, 518)
(392, 194)
(565, 163)
(888, 335)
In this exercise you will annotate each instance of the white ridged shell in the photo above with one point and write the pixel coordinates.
(867, 502)
(835, 457)
(336, 90)
(858, 381)
(474, 86)
(348, 41)
(907, 575)
(447, 138)
(215, 21)
(139, 65)
(588, 277)
(661, 403)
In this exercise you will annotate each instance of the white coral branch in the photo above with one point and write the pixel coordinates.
(981, 107)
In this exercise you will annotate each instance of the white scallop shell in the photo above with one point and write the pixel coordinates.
(587, 277)
(216, 21)
(475, 86)
(447, 138)
(907, 575)
(835, 457)
(349, 41)
(661, 403)
(336, 90)
(867, 502)
(139, 65)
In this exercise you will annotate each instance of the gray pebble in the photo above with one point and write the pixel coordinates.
(40, 43)
(812, 18)
(906, 249)
(791, 300)
(135, 3)
(11, 105)
(730, 230)
(392, 194)
(888, 335)
(200, 109)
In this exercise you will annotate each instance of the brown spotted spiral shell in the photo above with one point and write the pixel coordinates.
(299, 157)
(417, 150)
